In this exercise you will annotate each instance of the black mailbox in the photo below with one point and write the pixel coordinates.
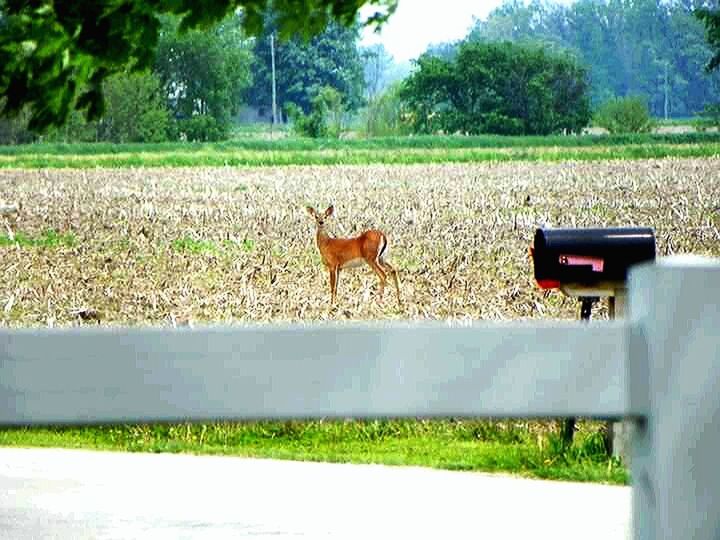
(593, 262)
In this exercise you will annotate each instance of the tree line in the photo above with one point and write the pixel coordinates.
(651, 48)
(200, 79)
(529, 68)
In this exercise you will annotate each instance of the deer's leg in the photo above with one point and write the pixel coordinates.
(337, 280)
(332, 285)
(380, 273)
(393, 273)
(334, 277)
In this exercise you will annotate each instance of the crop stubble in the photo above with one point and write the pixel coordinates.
(165, 246)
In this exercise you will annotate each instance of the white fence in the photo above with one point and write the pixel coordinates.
(659, 368)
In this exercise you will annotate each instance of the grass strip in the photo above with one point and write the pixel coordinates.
(378, 143)
(355, 156)
(454, 445)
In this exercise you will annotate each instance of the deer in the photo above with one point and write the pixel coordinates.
(340, 253)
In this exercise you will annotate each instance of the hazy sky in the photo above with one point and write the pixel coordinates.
(419, 23)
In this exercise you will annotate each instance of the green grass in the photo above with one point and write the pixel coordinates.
(374, 143)
(191, 245)
(195, 246)
(47, 239)
(449, 444)
(357, 157)
(387, 150)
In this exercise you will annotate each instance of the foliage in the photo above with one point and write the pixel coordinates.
(14, 130)
(204, 72)
(303, 68)
(76, 129)
(384, 114)
(325, 117)
(708, 119)
(135, 113)
(135, 110)
(711, 19)
(307, 125)
(201, 128)
(641, 47)
(501, 88)
(56, 54)
(376, 62)
(624, 115)
(334, 105)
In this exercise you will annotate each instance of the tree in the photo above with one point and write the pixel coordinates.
(500, 88)
(624, 115)
(55, 54)
(135, 111)
(304, 67)
(325, 118)
(376, 61)
(14, 130)
(384, 113)
(712, 27)
(204, 72)
(655, 49)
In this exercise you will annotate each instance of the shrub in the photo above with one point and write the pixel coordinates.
(384, 114)
(202, 128)
(325, 119)
(624, 115)
(307, 125)
(708, 119)
(14, 130)
(135, 109)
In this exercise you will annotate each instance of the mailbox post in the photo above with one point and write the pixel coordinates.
(590, 264)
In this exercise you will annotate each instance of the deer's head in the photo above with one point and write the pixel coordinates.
(318, 217)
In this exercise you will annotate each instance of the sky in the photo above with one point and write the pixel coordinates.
(419, 23)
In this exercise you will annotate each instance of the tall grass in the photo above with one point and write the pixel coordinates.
(220, 156)
(377, 143)
(517, 447)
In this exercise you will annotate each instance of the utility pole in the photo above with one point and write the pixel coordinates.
(274, 87)
(666, 90)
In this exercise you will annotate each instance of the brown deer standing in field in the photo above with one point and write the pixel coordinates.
(338, 253)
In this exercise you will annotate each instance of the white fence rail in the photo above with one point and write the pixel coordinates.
(659, 368)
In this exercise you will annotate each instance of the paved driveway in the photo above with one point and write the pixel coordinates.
(48, 493)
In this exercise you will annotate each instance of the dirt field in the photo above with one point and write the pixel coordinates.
(164, 246)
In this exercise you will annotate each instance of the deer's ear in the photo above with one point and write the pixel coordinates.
(329, 211)
(310, 210)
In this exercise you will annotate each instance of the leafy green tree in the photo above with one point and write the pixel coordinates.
(201, 128)
(14, 130)
(135, 111)
(384, 114)
(204, 72)
(325, 117)
(376, 62)
(426, 94)
(501, 88)
(304, 67)
(624, 115)
(711, 19)
(56, 54)
(651, 48)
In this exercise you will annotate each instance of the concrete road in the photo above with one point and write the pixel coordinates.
(48, 493)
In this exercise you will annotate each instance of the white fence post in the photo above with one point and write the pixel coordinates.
(674, 381)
